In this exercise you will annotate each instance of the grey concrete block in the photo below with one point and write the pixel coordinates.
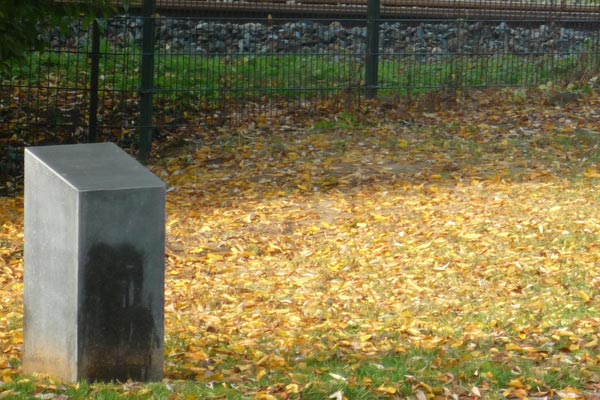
(94, 264)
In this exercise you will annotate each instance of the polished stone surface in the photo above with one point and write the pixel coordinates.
(94, 264)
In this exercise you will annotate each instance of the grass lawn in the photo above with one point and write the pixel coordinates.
(439, 252)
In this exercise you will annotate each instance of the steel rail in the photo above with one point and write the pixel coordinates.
(527, 5)
(412, 9)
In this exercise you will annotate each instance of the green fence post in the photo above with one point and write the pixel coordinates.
(147, 81)
(372, 56)
(94, 76)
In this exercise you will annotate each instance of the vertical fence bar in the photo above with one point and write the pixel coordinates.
(147, 81)
(94, 76)
(372, 56)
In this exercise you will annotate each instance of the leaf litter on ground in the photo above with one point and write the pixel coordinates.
(388, 252)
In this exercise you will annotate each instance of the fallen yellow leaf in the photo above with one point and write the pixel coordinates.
(591, 173)
(584, 296)
(386, 389)
(261, 374)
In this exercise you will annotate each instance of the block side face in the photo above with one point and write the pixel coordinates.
(50, 299)
(121, 318)
(96, 166)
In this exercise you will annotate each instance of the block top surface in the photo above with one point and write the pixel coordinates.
(96, 166)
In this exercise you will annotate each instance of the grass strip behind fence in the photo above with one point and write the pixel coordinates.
(250, 76)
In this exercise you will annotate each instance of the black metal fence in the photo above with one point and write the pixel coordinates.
(168, 64)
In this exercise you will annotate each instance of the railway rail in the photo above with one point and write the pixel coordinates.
(566, 10)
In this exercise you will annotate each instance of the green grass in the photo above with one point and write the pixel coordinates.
(403, 374)
(244, 76)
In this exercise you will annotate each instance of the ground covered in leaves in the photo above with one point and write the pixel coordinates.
(388, 252)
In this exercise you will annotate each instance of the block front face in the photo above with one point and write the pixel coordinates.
(121, 326)
(50, 272)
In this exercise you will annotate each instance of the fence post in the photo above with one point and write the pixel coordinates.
(147, 81)
(94, 76)
(372, 57)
